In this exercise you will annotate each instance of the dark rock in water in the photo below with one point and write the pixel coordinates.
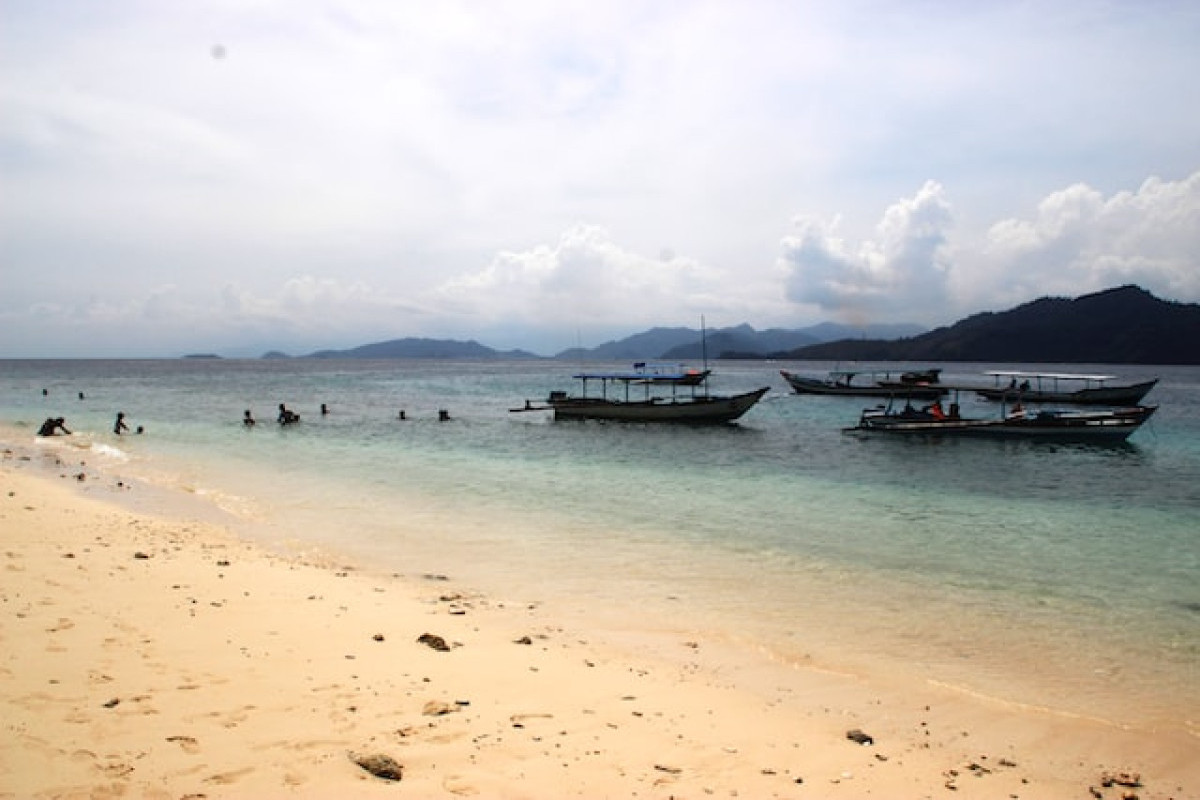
(856, 735)
(434, 641)
(381, 766)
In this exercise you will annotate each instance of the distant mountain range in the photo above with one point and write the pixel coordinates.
(681, 344)
(1125, 325)
(675, 344)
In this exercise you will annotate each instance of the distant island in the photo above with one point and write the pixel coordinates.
(423, 348)
(1124, 325)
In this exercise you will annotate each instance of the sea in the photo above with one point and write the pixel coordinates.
(1063, 577)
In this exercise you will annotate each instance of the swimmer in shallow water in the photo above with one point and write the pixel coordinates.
(52, 426)
(287, 416)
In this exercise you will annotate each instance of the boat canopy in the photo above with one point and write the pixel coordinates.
(885, 372)
(656, 372)
(1065, 376)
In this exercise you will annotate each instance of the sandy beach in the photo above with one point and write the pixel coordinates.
(165, 657)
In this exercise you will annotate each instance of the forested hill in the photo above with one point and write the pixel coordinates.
(1126, 325)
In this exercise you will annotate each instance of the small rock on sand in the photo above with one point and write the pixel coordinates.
(859, 736)
(434, 641)
(380, 765)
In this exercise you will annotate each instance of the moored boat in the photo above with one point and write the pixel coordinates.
(1112, 425)
(919, 385)
(635, 397)
(1063, 387)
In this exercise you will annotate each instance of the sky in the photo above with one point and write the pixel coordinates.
(237, 176)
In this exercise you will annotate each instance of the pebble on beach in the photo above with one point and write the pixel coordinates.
(380, 765)
(434, 641)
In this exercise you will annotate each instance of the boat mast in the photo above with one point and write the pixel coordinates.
(704, 353)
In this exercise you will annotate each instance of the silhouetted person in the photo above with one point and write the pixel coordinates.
(119, 426)
(324, 409)
(248, 419)
(287, 417)
(52, 425)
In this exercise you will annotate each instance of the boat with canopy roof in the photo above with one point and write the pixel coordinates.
(1063, 387)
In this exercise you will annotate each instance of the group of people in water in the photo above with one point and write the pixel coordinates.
(55, 425)
(288, 417)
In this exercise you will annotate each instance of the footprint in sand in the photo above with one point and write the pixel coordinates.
(186, 743)
(64, 624)
(230, 719)
(300, 746)
(226, 778)
(293, 779)
(117, 769)
(457, 785)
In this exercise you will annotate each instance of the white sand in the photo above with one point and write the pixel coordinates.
(147, 657)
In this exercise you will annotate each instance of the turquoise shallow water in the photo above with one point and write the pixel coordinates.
(1049, 574)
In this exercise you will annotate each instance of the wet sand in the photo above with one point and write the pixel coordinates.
(152, 656)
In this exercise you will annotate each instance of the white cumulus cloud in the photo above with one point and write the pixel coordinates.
(1078, 241)
(586, 279)
(904, 268)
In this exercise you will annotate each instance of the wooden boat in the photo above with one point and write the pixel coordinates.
(1113, 425)
(1062, 387)
(637, 397)
(919, 385)
(641, 396)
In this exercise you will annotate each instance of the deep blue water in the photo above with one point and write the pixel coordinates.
(782, 525)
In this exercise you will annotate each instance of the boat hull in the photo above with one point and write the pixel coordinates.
(917, 391)
(690, 411)
(1099, 395)
(1059, 426)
